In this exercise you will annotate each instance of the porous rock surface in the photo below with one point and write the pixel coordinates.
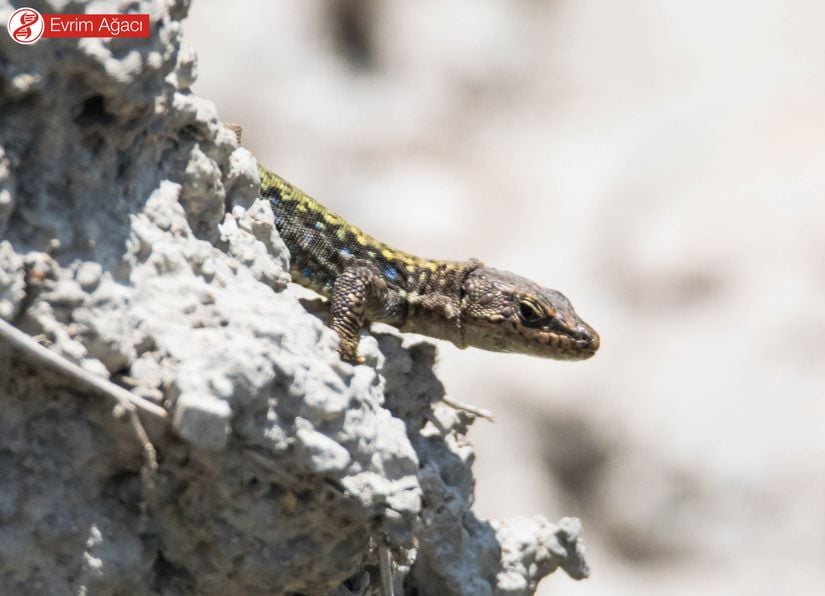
(132, 243)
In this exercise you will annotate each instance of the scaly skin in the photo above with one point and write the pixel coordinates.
(463, 302)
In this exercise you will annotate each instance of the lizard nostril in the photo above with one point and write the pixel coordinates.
(588, 336)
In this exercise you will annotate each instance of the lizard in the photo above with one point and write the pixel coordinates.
(464, 302)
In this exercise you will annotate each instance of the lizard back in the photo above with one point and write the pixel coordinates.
(319, 241)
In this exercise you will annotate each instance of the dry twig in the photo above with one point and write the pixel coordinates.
(37, 354)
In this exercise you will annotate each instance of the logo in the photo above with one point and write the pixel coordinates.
(26, 26)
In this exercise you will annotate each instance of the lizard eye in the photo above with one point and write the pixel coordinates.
(530, 313)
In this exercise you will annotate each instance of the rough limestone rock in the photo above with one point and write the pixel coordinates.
(133, 244)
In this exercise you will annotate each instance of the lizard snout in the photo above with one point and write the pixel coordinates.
(587, 337)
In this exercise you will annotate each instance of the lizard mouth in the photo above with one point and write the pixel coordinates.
(586, 351)
(577, 345)
(575, 353)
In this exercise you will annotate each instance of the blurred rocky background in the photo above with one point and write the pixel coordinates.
(663, 164)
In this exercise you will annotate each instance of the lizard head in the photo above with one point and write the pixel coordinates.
(504, 312)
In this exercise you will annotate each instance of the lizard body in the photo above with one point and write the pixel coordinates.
(463, 302)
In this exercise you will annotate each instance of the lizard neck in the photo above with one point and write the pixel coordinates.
(435, 300)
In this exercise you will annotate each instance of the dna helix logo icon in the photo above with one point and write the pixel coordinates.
(26, 25)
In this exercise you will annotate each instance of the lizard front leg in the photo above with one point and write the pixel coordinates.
(358, 288)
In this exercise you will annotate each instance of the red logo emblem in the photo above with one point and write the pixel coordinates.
(26, 26)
